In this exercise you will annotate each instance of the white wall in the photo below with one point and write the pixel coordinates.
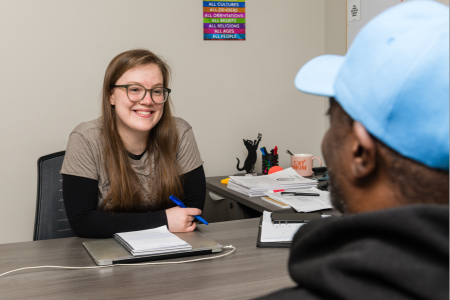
(54, 54)
(335, 27)
(369, 10)
(335, 19)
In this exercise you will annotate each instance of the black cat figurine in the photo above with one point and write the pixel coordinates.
(252, 147)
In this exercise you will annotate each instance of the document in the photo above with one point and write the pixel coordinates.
(151, 241)
(257, 185)
(277, 232)
(275, 202)
(304, 203)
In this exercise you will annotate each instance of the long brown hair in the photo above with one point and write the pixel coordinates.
(162, 142)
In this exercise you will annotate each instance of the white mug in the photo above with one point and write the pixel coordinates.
(303, 164)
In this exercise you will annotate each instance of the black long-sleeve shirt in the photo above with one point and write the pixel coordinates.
(81, 200)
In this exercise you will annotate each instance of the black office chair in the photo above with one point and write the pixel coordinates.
(51, 220)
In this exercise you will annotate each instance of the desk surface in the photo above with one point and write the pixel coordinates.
(256, 203)
(247, 273)
(213, 184)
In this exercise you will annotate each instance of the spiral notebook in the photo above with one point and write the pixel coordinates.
(276, 235)
(110, 251)
(151, 241)
(272, 235)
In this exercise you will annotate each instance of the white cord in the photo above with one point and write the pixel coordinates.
(184, 261)
(129, 265)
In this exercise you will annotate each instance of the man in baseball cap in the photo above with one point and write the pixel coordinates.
(387, 152)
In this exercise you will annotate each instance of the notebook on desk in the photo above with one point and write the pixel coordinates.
(279, 234)
(109, 251)
(274, 235)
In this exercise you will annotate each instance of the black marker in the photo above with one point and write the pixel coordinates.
(299, 194)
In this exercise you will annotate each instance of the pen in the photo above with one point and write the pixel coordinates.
(299, 194)
(289, 152)
(262, 151)
(181, 204)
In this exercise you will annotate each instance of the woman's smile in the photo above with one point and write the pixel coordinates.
(144, 113)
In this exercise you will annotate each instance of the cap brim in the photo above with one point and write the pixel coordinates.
(319, 74)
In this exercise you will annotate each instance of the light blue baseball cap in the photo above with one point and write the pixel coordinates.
(394, 80)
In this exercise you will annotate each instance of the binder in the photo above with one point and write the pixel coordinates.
(260, 244)
(279, 234)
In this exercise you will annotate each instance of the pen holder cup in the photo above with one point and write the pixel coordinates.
(268, 161)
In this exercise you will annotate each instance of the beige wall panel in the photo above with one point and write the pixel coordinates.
(335, 27)
(54, 54)
(335, 34)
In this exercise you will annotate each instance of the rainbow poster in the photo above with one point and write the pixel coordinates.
(224, 20)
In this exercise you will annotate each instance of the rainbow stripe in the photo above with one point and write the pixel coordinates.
(224, 9)
(223, 4)
(223, 15)
(224, 20)
(224, 36)
(224, 26)
(224, 31)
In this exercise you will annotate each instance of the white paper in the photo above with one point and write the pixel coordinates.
(151, 241)
(258, 185)
(353, 10)
(286, 177)
(277, 232)
(305, 203)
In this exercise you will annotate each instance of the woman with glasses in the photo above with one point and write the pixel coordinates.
(119, 170)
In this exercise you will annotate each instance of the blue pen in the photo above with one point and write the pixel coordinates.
(181, 204)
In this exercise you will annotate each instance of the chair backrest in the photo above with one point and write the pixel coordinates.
(51, 220)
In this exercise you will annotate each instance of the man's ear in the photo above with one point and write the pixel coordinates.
(364, 152)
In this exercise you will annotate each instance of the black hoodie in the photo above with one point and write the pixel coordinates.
(399, 253)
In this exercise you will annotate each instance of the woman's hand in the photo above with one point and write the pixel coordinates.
(181, 219)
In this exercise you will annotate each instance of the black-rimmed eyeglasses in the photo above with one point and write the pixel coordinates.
(137, 92)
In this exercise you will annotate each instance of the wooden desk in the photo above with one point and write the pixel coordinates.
(247, 273)
(213, 184)
(234, 205)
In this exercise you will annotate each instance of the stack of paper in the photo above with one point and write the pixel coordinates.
(304, 203)
(258, 185)
(151, 241)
